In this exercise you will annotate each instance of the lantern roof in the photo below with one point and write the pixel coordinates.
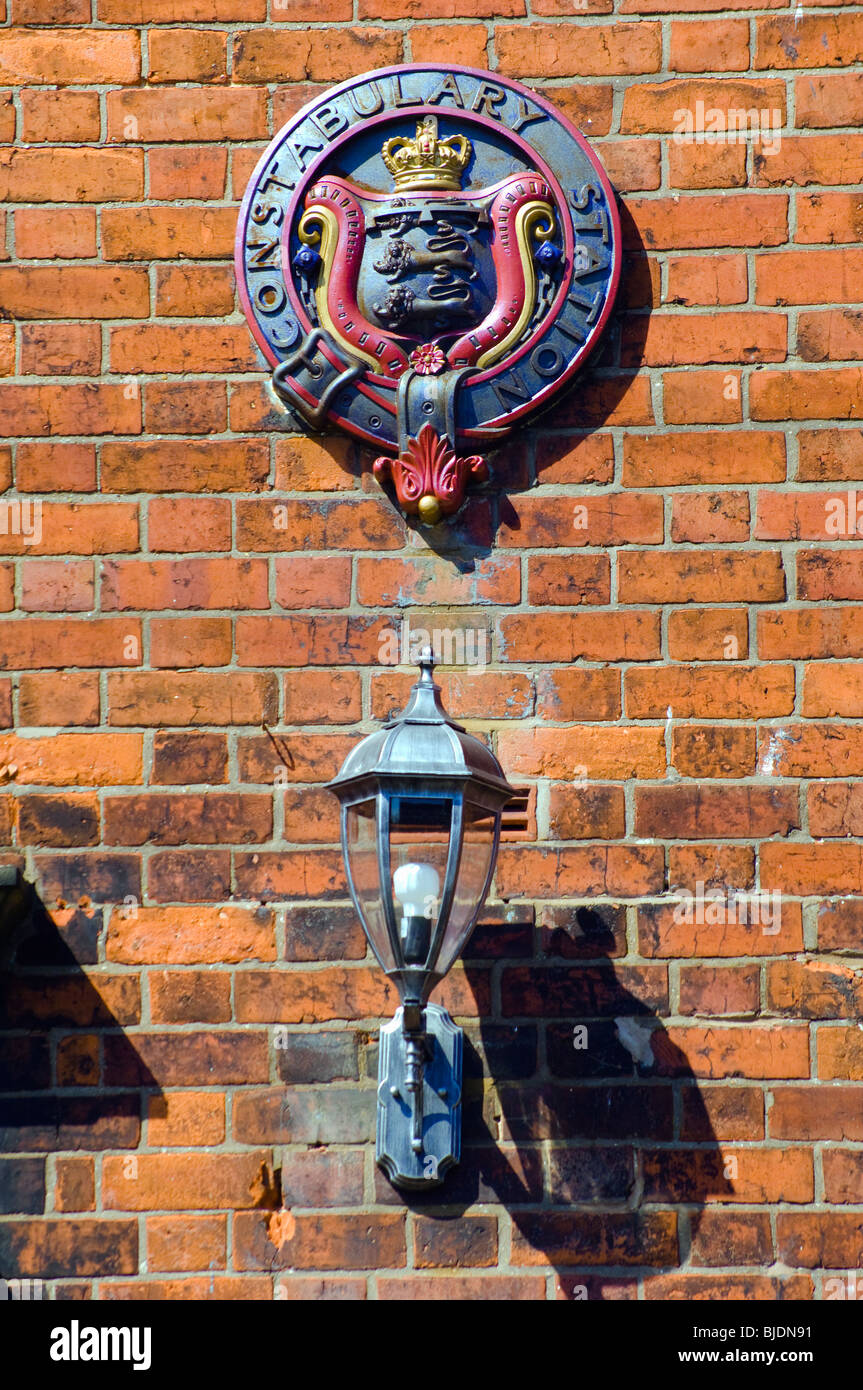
(423, 742)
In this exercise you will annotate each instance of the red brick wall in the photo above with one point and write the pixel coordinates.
(188, 1069)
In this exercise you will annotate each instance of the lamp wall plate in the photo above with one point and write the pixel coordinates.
(425, 256)
(419, 1135)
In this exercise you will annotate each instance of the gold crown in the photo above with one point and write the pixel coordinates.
(426, 161)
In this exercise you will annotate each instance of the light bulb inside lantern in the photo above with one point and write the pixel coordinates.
(416, 886)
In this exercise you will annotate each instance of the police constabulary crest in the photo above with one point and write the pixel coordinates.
(420, 275)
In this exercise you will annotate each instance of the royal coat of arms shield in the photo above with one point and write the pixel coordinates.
(424, 257)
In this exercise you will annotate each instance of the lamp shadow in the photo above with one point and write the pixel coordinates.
(588, 1128)
(71, 1082)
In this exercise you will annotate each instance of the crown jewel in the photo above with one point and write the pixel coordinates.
(426, 161)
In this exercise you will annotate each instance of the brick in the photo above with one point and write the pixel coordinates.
(699, 45)
(828, 574)
(190, 935)
(586, 814)
(807, 869)
(43, 234)
(325, 55)
(815, 41)
(167, 233)
(691, 1175)
(55, 467)
(726, 1237)
(62, 349)
(51, 116)
(197, 291)
(696, 576)
(713, 866)
(780, 1052)
(840, 926)
(709, 692)
(208, 1058)
(320, 1179)
(312, 465)
(568, 580)
(711, 398)
(720, 992)
(385, 582)
(189, 524)
(51, 1249)
(744, 812)
(323, 933)
(185, 584)
(812, 989)
(58, 820)
(188, 466)
(811, 750)
(65, 58)
(579, 870)
(311, 1116)
(707, 280)
(187, 114)
(190, 996)
(54, 642)
(820, 1240)
(829, 217)
(632, 165)
(75, 1185)
(452, 1244)
(330, 524)
(616, 753)
(322, 697)
(57, 586)
(182, 698)
(189, 757)
(565, 637)
(180, 1181)
(79, 176)
(182, 1119)
(618, 1238)
(810, 632)
(310, 641)
(675, 460)
(309, 1057)
(68, 697)
(815, 1112)
(575, 458)
(833, 688)
(429, 40)
(198, 819)
(807, 395)
(319, 1241)
(92, 291)
(649, 106)
(707, 634)
(714, 1112)
(730, 219)
(186, 1244)
(614, 48)
(836, 334)
(808, 277)
(187, 55)
(578, 694)
(613, 519)
(182, 11)
(197, 172)
(713, 751)
(160, 347)
(69, 408)
(306, 997)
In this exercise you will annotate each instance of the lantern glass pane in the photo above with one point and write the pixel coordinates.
(362, 862)
(477, 851)
(419, 836)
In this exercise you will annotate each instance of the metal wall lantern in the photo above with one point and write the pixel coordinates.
(421, 809)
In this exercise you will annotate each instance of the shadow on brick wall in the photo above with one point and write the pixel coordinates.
(588, 1125)
(65, 1090)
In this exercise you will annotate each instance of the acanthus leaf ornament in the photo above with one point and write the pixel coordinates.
(430, 481)
(425, 248)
